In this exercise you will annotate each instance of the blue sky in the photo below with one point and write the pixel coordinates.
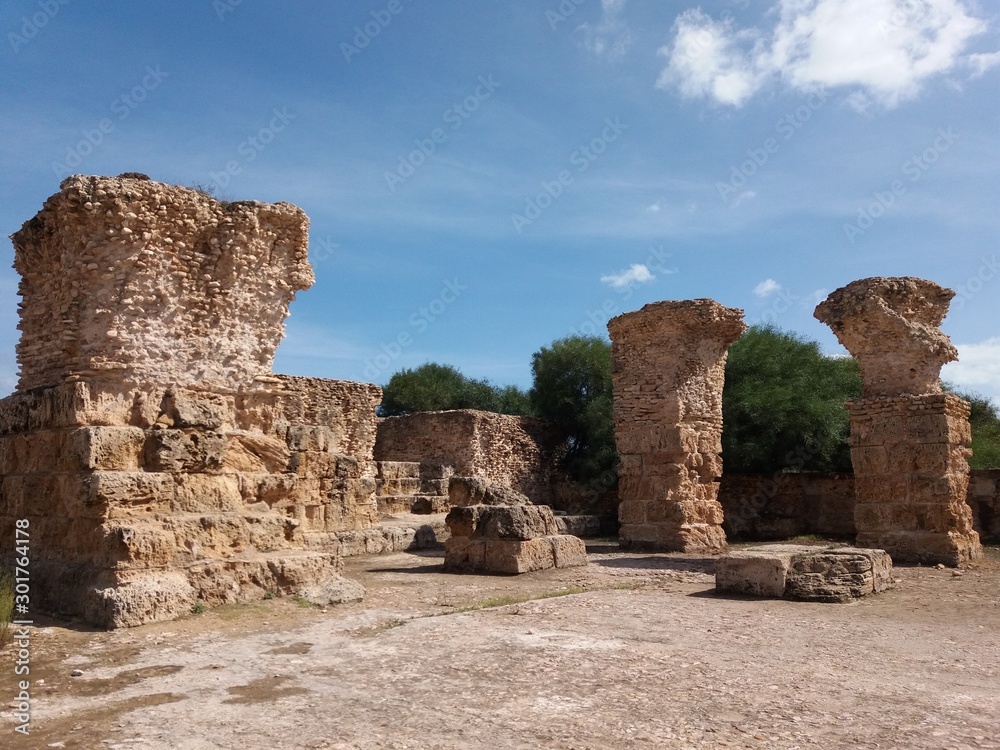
(485, 177)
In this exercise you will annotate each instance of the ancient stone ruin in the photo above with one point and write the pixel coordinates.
(806, 573)
(157, 458)
(668, 363)
(909, 440)
(509, 539)
(503, 450)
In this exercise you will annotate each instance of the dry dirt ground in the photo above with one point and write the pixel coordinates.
(633, 651)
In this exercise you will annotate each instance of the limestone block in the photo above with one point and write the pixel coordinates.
(825, 574)
(580, 525)
(107, 448)
(398, 469)
(254, 452)
(188, 408)
(184, 450)
(511, 556)
(129, 491)
(314, 464)
(478, 491)
(206, 493)
(139, 599)
(517, 522)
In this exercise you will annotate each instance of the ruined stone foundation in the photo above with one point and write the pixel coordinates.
(668, 367)
(157, 459)
(909, 440)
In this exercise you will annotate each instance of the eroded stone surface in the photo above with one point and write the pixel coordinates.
(508, 540)
(668, 364)
(157, 459)
(909, 441)
(809, 573)
(890, 325)
(131, 280)
(500, 449)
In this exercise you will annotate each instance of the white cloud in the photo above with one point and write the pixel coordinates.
(983, 62)
(882, 49)
(746, 195)
(977, 368)
(654, 208)
(766, 288)
(610, 36)
(637, 273)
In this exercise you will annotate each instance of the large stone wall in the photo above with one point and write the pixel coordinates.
(515, 452)
(132, 280)
(770, 507)
(909, 440)
(668, 368)
(156, 459)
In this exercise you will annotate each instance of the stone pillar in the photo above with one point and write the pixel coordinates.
(668, 365)
(909, 439)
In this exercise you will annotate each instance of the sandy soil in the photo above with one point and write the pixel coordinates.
(633, 651)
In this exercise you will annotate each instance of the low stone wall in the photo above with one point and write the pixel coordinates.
(766, 508)
(515, 452)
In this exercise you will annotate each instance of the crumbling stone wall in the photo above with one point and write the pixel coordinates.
(515, 452)
(156, 458)
(909, 440)
(782, 506)
(132, 280)
(668, 368)
(762, 507)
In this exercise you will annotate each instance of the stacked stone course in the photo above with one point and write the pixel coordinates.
(909, 440)
(503, 450)
(668, 368)
(157, 458)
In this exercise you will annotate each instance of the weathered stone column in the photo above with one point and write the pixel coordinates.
(909, 439)
(668, 364)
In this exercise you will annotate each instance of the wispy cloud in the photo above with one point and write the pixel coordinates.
(884, 49)
(610, 37)
(766, 288)
(637, 273)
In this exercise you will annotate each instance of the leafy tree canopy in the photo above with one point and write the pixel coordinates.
(572, 389)
(783, 405)
(435, 387)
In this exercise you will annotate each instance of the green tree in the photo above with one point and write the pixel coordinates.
(985, 420)
(783, 405)
(435, 387)
(572, 389)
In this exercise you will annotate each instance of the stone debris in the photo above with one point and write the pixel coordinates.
(509, 540)
(808, 573)
(159, 461)
(909, 440)
(668, 363)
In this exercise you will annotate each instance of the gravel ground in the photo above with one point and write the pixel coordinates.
(633, 651)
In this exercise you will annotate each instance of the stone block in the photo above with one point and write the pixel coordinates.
(206, 493)
(254, 452)
(184, 450)
(107, 448)
(824, 574)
